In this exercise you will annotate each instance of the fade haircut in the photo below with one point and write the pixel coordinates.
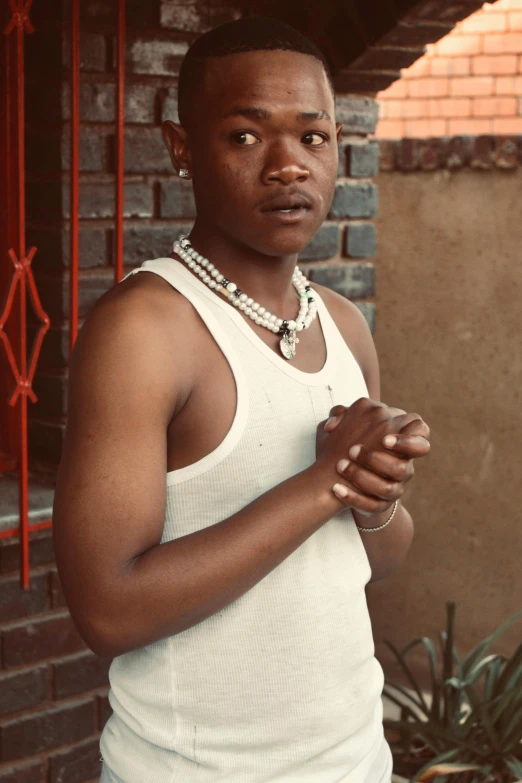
(250, 34)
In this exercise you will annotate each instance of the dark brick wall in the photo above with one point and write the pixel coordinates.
(158, 206)
(482, 153)
(53, 689)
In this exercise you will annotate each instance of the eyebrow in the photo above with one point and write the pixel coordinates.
(256, 113)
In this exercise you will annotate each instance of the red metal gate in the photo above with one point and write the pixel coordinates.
(16, 277)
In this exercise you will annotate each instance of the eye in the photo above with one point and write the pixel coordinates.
(322, 138)
(243, 135)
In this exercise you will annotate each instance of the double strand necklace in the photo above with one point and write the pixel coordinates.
(215, 280)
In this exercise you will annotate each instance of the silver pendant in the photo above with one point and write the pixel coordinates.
(287, 345)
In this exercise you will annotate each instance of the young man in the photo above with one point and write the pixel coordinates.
(227, 487)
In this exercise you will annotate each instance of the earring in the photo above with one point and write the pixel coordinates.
(183, 172)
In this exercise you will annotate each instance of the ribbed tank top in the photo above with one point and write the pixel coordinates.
(282, 685)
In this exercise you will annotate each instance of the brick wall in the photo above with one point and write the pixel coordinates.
(469, 82)
(481, 153)
(158, 206)
(53, 702)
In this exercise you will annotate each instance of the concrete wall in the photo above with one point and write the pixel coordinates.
(449, 318)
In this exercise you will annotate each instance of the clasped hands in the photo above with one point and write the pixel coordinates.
(384, 441)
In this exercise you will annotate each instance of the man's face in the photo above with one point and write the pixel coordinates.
(250, 143)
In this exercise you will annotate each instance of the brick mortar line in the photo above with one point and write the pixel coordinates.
(107, 223)
(46, 756)
(49, 705)
(53, 613)
(38, 534)
(98, 178)
(55, 131)
(36, 570)
(106, 28)
(5, 766)
(133, 79)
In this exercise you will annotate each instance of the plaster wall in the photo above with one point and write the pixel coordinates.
(448, 336)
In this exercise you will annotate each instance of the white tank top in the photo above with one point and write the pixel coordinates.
(282, 685)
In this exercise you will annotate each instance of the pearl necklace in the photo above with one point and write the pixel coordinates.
(215, 280)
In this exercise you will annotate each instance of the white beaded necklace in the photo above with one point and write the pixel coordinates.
(215, 280)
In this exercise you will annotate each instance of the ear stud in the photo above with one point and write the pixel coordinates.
(183, 172)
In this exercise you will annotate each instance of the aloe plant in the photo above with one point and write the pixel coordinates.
(472, 728)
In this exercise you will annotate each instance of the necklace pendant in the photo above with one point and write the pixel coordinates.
(287, 345)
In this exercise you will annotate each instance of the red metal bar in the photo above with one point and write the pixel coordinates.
(120, 124)
(9, 424)
(22, 277)
(75, 170)
(23, 467)
(32, 529)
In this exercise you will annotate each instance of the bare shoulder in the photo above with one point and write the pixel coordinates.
(141, 299)
(356, 333)
(142, 323)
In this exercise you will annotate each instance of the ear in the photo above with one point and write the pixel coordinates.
(176, 141)
(339, 130)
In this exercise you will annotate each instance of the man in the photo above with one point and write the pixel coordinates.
(227, 487)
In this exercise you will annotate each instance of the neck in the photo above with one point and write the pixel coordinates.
(267, 279)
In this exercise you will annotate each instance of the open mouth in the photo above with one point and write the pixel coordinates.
(287, 214)
(287, 207)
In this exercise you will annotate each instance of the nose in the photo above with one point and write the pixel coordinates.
(283, 165)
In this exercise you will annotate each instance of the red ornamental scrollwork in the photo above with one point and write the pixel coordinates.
(22, 282)
(23, 270)
(20, 10)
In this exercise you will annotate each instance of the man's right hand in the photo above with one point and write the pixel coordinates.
(365, 422)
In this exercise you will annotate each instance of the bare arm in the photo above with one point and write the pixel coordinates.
(125, 590)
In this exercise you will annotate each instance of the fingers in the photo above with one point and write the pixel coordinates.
(410, 446)
(336, 415)
(364, 504)
(337, 410)
(397, 411)
(390, 466)
(416, 427)
(413, 435)
(398, 423)
(365, 481)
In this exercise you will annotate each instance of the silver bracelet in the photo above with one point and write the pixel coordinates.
(374, 529)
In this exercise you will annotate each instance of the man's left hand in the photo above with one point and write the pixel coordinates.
(376, 475)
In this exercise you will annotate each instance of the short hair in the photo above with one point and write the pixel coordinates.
(249, 34)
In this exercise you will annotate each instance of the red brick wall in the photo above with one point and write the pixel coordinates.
(469, 82)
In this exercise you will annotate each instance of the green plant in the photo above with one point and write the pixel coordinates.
(472, 728)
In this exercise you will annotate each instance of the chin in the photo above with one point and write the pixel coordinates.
(285, 242)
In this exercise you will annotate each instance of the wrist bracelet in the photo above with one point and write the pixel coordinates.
(374, 529)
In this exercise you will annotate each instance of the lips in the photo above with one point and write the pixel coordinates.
(293, 202)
